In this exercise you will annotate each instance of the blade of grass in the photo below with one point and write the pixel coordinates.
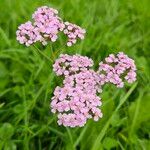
(121, 146)
(80, 136)
(136, 113)
(4, 92)
(4, 36)
(1, 105)
(70, 135)
(56, 131)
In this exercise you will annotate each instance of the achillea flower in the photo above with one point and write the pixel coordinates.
(27, 34)
(77, 100)
(118, 68)
(73, 33)
(47, 25)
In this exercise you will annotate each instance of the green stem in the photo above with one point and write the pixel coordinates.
(40, 52)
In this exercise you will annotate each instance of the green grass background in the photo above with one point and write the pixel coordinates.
(27, 80)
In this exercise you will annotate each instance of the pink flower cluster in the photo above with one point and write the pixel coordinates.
(48, 23)
(46, 26)
(27, 34)
(73, 32)
(118, 68)
(77, 100)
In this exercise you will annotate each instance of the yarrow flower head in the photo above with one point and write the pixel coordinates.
(47, 24)
(27, 34)
(73, 33)
(77, 100)
(118, 68)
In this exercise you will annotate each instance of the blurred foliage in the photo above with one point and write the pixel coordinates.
(27, 80)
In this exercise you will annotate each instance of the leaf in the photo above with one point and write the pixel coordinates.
(6, 131)
(145, 144)
(109, 143)
(10, 145)
(3, 76)
(142, 114)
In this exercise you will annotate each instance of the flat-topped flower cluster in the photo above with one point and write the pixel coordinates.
(77, 100)
(118, 68)
(46, 26)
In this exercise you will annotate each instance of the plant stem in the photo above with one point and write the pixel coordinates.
(40, 52)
